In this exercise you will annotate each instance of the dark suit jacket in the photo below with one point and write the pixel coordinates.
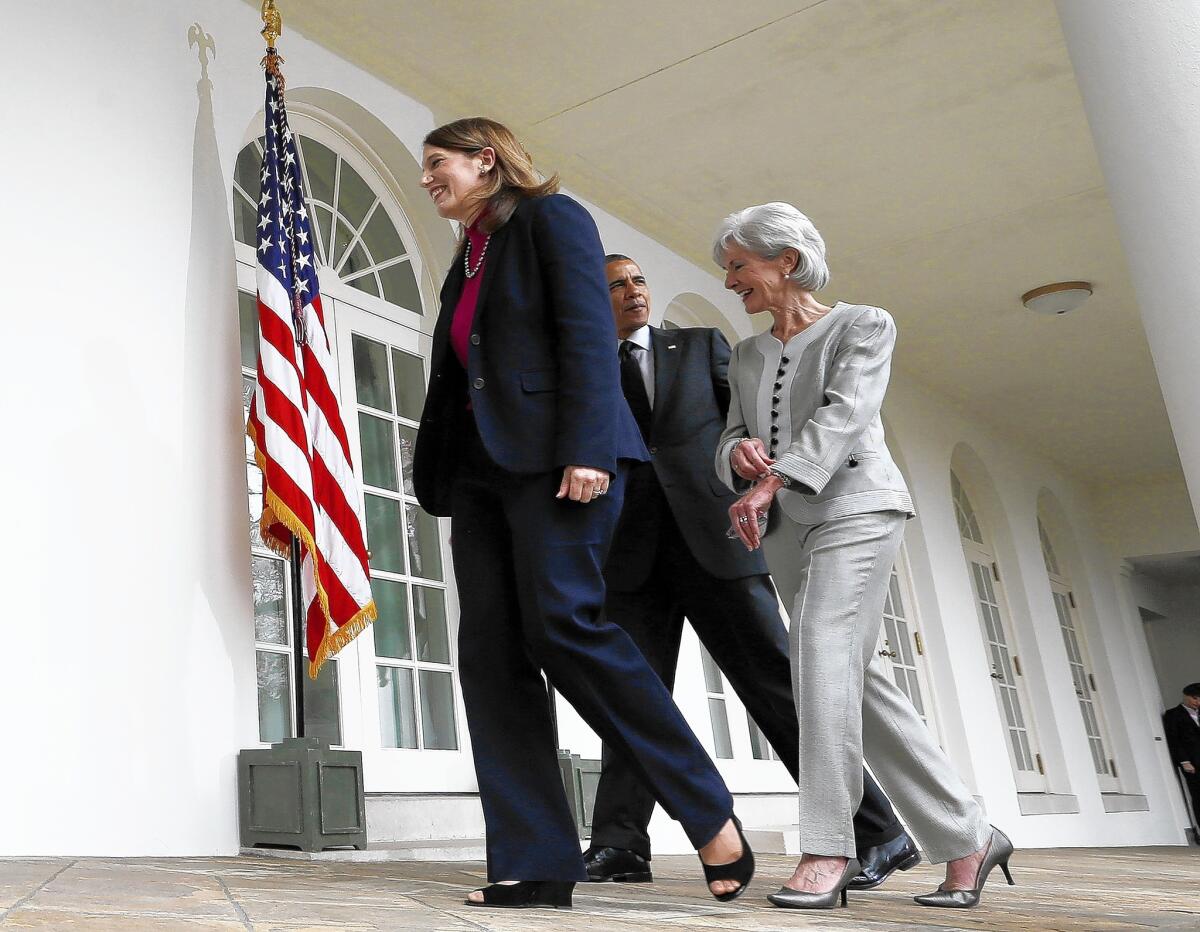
(691, 398)
(1183, 736)
(542, 377)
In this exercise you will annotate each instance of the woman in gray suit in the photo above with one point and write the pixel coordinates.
(804, 443)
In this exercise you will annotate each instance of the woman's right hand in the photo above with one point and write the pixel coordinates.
(749, 459)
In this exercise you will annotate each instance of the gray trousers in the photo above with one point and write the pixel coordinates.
(835, 577)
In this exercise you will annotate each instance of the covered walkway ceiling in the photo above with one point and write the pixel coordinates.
(940, 146)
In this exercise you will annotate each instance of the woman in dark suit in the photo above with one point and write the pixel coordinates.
(519, 445)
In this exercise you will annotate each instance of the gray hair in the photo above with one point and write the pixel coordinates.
(767, 230)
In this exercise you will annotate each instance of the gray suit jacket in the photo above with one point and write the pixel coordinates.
(829, 433)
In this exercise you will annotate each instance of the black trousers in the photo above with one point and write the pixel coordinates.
(1192, 781)
(531, 595)
(738, 622)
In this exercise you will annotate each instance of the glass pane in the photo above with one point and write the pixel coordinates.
(248, 385)
(423, 543)
(255, 502)
(429, 613)
(248, 325)
(354, 197)
(371, 374)
(378, 451)
(408, 442)
(320, 164)
(342, 237)
(758, 741)
(410, 384)
(366, 283)
(400, 285)
(397, 714)
(712, 673)
(247, 171)
(383, 534)
(357, 262)
(321, 719)
(437, 711)
(381, 237)
(274, 696)
(245, 220)
(322, 222)
(268, 578)
(391, 628)
(720, 727)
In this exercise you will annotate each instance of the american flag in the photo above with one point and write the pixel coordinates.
(310, 491)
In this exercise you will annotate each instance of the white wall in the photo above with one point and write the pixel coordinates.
(131, 680)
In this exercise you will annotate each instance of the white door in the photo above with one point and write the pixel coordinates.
(1084, 682)
(900, 641)
(1008, 680)
(1005, 671)
(413, 731)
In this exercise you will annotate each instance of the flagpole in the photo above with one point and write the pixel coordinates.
(299, 661)
(272, 29)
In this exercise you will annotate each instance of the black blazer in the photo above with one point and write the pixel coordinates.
(542, 377)
(1183, 736)
(691, 398)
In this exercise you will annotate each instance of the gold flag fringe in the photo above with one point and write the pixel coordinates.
(276, 512)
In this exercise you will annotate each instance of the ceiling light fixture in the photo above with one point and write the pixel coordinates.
(1057, 298)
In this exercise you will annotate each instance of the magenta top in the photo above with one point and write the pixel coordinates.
(464, 311)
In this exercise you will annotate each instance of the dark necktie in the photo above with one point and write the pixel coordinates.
(634, 388)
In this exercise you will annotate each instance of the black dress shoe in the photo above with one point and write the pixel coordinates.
(604, 864)
(881, 861)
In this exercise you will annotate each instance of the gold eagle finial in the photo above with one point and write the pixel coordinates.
(272, 23)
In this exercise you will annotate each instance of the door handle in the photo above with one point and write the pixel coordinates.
(887, 653)
(996, 676)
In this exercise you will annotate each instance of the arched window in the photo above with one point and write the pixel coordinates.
(356, 238)
(1005, 673)
(391, 692)
(1079, 660)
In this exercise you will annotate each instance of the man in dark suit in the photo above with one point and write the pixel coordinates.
(671, 558)
(1182, 727)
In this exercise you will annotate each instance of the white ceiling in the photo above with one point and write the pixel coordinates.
(940, 146)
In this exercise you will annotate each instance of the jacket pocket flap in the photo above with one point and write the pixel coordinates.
(539, 380)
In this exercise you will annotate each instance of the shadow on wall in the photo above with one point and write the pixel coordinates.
(214, 521)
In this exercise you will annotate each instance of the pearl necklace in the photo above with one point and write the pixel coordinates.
(482, 256)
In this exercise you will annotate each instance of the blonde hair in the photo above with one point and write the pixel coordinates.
(513, 179)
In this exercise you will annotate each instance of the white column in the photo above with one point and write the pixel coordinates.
(1137, 63)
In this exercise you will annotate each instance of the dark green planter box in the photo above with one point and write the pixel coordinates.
(300, 794)
(581, 777)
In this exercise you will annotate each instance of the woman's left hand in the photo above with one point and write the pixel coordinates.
(582, 483)
(743, 514)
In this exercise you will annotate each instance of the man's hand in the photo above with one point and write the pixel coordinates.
(1187, 766)
(743, 514)
(582, 483)
(749, 459)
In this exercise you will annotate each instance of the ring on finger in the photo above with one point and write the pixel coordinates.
(743, 520)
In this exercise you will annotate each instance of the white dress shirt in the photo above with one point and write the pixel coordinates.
(645, 358)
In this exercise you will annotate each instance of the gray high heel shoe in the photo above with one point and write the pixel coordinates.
(999, 850)
(800, 899)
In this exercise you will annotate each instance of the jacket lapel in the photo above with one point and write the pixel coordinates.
(451, 291)
(666, 367)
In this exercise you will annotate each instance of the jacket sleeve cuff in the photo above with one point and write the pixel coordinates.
(801, 471)
(725, 469)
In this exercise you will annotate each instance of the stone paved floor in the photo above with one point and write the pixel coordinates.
(1063, 889)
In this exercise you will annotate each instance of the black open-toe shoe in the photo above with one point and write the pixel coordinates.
(741, 870)
(528, 894)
